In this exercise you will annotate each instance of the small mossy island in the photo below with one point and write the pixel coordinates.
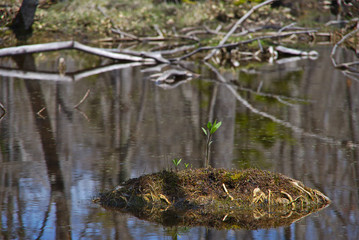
(219, 198)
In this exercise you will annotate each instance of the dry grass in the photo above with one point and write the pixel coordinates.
(197, 196)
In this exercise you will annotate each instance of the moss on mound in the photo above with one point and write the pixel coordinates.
(216, 197)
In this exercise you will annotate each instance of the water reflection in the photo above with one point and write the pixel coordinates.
(53, 163)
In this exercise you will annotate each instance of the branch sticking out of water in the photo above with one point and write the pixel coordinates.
(3, 109)
(83, 98)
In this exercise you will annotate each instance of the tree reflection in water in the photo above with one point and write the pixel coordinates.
(53, 163)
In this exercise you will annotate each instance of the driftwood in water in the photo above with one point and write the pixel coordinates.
(45, 47)
(295, 52)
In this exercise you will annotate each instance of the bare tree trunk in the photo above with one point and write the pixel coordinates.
(22, 23)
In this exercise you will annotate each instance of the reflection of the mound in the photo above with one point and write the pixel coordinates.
(249, 219)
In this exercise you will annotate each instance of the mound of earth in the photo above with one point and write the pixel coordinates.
(217, 198)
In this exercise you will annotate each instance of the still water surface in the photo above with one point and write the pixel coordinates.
(297, 118)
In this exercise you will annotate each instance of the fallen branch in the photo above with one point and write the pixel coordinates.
(122, 33)
(157, 56)
(340, 42)
(45, 47)
(232, 45)
(240, 21)
(154, 39)
(176, 50)
(295, 52)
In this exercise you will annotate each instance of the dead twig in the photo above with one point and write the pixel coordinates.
(158, 30)
(225, 189)
(234, 28)
(4, 111)
(176, 50)
(122, 33)
(340, 42)
(40, 111)
(155, 39)
(83, 99)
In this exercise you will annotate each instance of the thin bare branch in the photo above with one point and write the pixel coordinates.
(83, 99)
(234, 28)
(3, 109)
(231, 45)
(340, 42)
(122, 33)
(40, 111)
(158, 30)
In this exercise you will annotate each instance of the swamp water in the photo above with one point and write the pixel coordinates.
(298, 118)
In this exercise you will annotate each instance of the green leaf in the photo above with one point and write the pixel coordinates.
(218, 125)
(176, 161)
(209, 125)
(205, 132)
(215, 126)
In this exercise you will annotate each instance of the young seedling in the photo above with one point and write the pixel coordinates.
(186, 165)
(211, 129)
(176, 162)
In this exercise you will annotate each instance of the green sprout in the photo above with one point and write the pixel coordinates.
(211, 129)
(176, 162)
(186, 165)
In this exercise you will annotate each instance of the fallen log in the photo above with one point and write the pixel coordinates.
(45, 47)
